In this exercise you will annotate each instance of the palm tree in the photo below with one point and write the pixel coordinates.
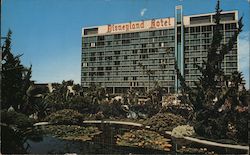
(143, 71)
(149, 72)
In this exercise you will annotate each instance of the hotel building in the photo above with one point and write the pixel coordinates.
(137, 54)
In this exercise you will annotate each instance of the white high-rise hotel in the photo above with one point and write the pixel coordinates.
(118, 56)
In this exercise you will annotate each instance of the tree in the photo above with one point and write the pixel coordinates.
(148, 72)
(15, 78)
(212, 92)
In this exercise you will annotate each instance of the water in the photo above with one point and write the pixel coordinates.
(13, 142)
(104, 143)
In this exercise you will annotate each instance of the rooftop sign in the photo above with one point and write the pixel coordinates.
(136, 26)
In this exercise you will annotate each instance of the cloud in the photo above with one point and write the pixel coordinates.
(244, 56)
(143, 11)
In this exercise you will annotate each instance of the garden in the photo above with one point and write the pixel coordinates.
(37, 120)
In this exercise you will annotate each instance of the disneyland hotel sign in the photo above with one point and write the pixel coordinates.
(149, 24)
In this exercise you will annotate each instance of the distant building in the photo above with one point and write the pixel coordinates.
(111, 54)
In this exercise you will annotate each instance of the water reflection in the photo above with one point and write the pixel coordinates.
(104, 143)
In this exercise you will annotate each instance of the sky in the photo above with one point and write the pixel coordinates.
(48, 32)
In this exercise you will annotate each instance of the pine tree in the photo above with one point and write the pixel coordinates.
(15, 78)
(211, 92)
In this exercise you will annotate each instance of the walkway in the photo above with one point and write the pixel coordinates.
(114, 122)
(206, 142)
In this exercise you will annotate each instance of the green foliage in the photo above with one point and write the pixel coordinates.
(112, 109)
(15, 78)
(164, 122)
(72, 132)
(144, 139)
(149, 108)
(216, 95)
(59, 95)
(152, 98)
(41, 107)
(182, 130)
(12, 142)
(147, 72)
(16, 119)
(83, 104)
(66, 116)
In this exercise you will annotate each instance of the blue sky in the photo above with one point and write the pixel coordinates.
(48, 32)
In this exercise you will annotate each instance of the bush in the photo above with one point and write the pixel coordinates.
(65, 116)
(82, 104)
(144, 139)
(165, 122)
(149, 108)
(17, 119)
(112, 109)
(242, 127)
(182, 130)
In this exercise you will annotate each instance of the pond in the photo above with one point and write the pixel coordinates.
(43, 143)
(103, 141)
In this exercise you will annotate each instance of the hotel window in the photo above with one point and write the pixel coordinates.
(92, 58)
(108, 68)
(117, 62)
(100, 38)
(92, 44)
(152, 33)
(117, 52)
(117, 36)
(165, 32)
(197, 29)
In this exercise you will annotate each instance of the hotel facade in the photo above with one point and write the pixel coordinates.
(138, 54)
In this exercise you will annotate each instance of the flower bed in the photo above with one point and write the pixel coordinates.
(144, 139)
(71, 132)
(164, 122)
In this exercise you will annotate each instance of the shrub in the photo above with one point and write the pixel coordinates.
(182, 130)
(144, 139)
(165, 122)
(17, 119)
(65, 116)
(112, 109)
(149, 108)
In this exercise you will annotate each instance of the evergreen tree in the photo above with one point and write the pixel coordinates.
(211, 93)
(15, 78)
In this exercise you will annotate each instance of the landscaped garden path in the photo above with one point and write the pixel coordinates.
(206, 142)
